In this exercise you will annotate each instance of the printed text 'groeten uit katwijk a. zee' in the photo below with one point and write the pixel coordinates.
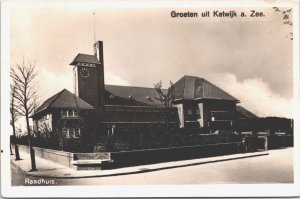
(217, 13)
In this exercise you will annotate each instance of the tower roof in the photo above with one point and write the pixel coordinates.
(192, 88)
(63, 100)
(84, 58)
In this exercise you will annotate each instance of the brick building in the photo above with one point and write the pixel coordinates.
(197, 102)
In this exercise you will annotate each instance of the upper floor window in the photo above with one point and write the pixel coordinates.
(69, 113)
(64, 113)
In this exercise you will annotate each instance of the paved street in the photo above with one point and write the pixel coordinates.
(277, 167)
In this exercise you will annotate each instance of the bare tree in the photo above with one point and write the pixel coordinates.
(24, 76)
(166, 98)
(14, 116)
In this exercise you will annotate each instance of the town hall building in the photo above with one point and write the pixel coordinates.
(197, 103)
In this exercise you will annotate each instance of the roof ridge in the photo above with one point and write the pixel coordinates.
(191, 76)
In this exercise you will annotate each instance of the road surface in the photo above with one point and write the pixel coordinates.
(277, 167)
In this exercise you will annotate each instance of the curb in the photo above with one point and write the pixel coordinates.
(145, 170)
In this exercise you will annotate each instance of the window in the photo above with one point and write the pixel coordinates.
(69, 113)
(65, 132)
(71, 132)
(64, 113)
(77, 132)
(220, 115)
(189, 111)
(73, 113)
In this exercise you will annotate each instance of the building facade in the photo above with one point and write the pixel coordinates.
(197, 103)
(62, 113)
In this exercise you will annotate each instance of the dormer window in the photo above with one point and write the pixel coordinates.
(111, 97)
(130, 97)
(149, 98)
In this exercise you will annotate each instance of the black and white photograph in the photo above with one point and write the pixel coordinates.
(149, 98)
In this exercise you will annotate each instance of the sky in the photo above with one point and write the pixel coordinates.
(249, 58)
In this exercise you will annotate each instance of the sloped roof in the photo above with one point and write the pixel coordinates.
(191, 88)
(63, 99)
(84, 58)
(244, 113)
(131, 95)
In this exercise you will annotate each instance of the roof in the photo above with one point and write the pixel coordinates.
(84, 58)
(131, 96)
(192, 88)
(62, 100)
(244, 113)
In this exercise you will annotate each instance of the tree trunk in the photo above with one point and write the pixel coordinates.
(32, 154)
(16, 145)
(11, 152)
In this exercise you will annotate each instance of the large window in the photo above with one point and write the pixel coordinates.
(71, 132)
(191, 112)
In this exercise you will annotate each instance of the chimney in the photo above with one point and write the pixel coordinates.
(98, 51)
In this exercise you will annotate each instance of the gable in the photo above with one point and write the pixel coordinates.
(192, 88)
(63, 100)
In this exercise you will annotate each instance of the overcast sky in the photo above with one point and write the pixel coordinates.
(249, 58)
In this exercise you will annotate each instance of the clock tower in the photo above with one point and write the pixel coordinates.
(89, 77)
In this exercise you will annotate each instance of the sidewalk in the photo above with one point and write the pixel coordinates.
(52, 170)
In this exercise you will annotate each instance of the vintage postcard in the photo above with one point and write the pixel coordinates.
(150, 99)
